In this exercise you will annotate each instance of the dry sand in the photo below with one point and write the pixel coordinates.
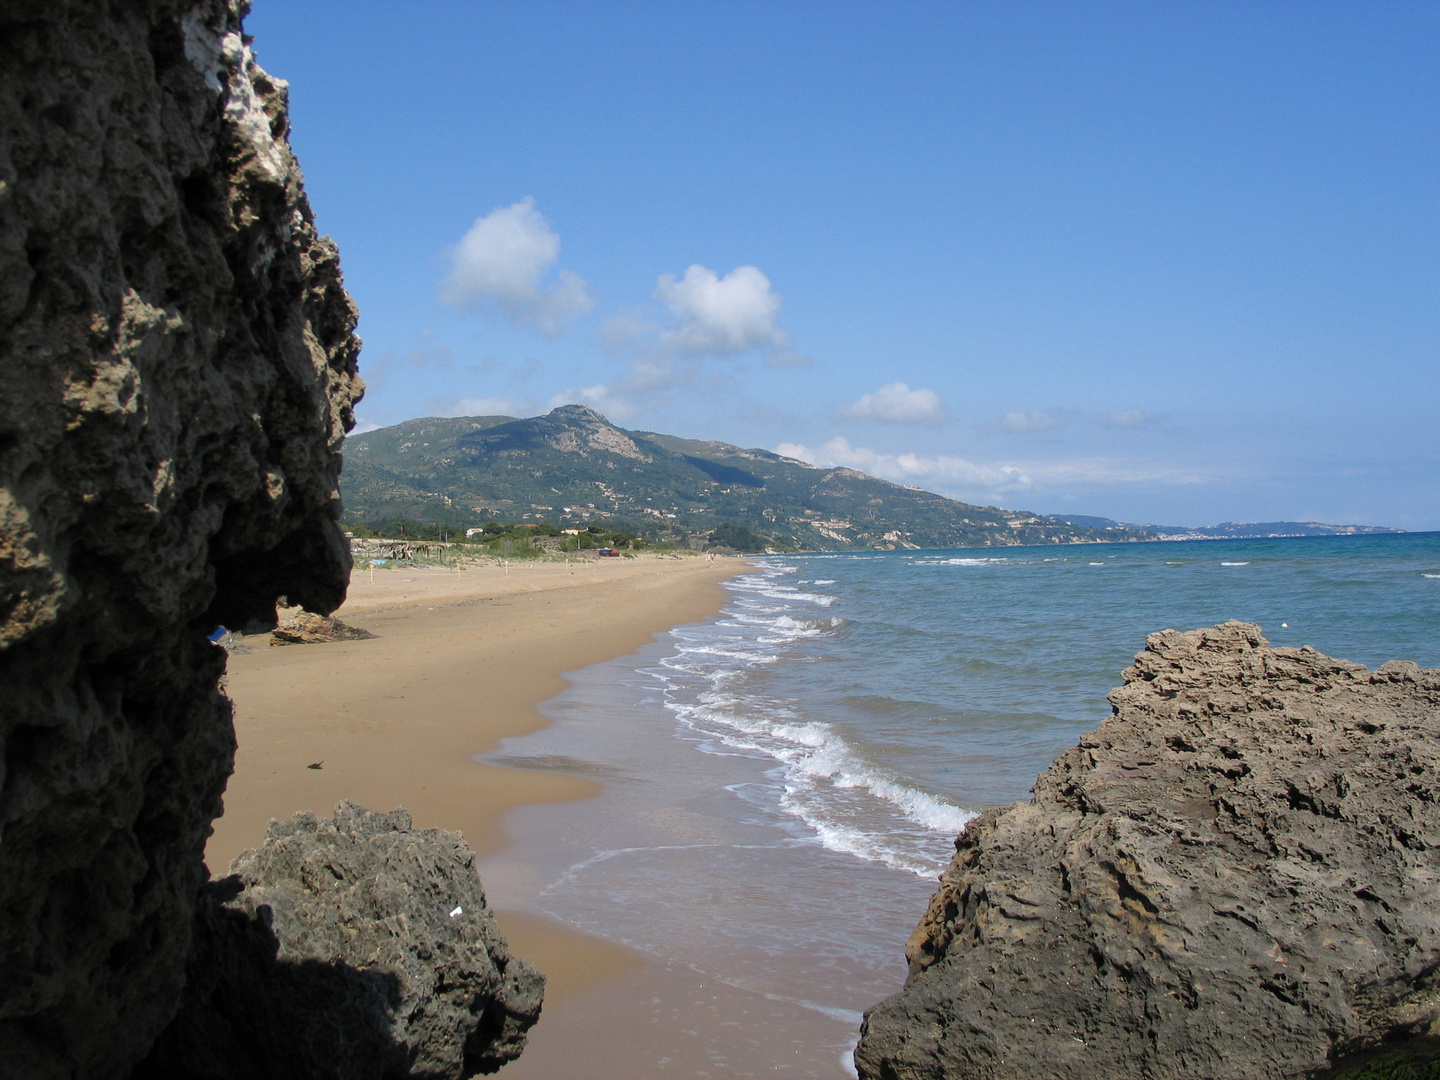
(459, 662)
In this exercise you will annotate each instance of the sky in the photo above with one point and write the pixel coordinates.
(1164, 263)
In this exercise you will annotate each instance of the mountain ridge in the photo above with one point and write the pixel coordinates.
(572, 466)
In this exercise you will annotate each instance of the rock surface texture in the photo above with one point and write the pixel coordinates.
(178, 374)
(1235, 876)
(424, 984)
(306, 628)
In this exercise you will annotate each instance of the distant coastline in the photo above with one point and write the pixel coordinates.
(1237, 530)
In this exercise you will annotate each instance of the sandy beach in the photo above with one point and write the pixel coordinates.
(459, 662)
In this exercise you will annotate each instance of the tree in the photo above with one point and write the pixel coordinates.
(737, 537)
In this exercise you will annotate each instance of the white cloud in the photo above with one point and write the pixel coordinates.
(796, 451)
(971, 481)
(500, 263)
(800, 452)
(896, 403)
(1028, 422)
(718, 316)
(709, 317)
(1123, 418)
(910, 468)
(652, 377)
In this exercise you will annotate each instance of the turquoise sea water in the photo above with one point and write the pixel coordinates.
(784, 782)
(900, 690)
(966, 673)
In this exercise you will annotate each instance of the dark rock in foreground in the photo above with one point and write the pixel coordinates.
(1235, 876)
(179, 372)
(357, 947)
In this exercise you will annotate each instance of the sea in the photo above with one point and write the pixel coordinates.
(782, 784)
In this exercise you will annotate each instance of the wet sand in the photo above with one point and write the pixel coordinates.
(459, 662)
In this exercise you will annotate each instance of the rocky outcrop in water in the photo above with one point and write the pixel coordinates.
(179, 372)
(1235, 876)
(357, 947)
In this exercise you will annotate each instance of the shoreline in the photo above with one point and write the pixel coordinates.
(767, 942)
(460, 661)
(671, 875)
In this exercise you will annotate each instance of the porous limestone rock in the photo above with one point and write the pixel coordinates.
(1236, 876)
(355, 947)
(307, 628)
(178, 374)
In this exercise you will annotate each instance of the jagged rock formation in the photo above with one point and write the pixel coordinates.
(179, 371)
(424, 984)
(1235, 877)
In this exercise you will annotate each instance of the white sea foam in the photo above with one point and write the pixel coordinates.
(785, 593)
(960, 562)
(1430, 575)
(787, 629)
(850, 803)
(1234, 564)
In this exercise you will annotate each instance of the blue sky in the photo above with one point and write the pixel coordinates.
(1158, 262)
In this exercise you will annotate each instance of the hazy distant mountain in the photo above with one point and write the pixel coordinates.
(573, 467)
(1236, 530)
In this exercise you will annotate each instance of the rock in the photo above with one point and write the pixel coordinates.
(306, 628)
(357, 947)
(179, 373)
(1235, 876)
(233, 643)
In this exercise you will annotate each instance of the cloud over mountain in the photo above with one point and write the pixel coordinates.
(720, 316)
(910, 468)
(960, 477)
(500, 265)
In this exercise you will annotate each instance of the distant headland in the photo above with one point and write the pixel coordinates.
(1238, 530)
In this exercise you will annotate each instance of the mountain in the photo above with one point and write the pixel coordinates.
(573, 467)
(1239, 530)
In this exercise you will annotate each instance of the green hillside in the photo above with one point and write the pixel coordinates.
(573, 467)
